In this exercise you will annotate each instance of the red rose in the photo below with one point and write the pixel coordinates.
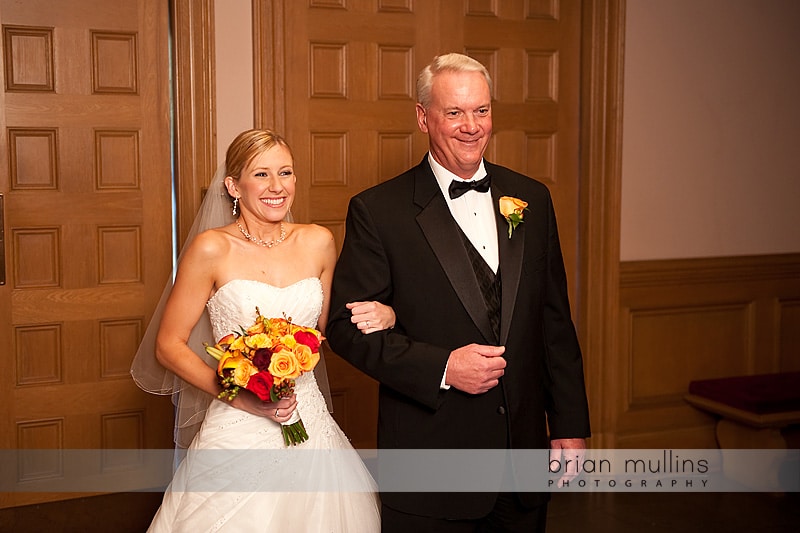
(260, 385)
(309, 339)
(262, 358)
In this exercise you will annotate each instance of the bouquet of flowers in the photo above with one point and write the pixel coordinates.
(265, 359)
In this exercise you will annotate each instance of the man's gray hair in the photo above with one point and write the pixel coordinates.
(447, 62)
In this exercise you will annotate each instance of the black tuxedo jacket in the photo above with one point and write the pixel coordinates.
(403, 248)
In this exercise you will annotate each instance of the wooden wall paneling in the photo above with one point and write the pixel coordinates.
(789, 334)
(684, 320)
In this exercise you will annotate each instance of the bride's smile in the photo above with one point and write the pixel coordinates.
(274, 202)
(266, 187)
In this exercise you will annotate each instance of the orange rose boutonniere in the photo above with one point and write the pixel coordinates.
(512, 209)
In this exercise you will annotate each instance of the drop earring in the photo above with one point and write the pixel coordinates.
(235, 205)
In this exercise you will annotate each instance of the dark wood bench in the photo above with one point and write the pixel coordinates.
(760, 411)
(761, 401)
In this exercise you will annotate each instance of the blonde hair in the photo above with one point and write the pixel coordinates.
(447, 62)
(246, 146)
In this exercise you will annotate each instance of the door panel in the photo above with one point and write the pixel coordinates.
(84, 131)
(346, 95)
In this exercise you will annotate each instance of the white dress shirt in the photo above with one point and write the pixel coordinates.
(473, 212)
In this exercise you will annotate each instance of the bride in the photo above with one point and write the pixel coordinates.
(255, 258)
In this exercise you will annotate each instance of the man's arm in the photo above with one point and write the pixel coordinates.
(393, 358)
(567, 409)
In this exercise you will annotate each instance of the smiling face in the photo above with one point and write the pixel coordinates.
(458, 120)
(266, 185)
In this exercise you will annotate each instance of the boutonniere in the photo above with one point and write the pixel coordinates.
(512, 209)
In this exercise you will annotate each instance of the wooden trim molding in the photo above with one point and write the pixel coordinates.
(709, 270)
(269, 65)
(601, 156)
(194, 106)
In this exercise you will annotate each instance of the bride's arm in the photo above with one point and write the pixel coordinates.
(326, 248)
(193, 285)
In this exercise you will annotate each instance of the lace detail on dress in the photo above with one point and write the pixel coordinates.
(234, 304)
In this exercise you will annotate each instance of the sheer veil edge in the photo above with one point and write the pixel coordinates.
(191, 403)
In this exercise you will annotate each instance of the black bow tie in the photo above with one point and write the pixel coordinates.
(458, 187)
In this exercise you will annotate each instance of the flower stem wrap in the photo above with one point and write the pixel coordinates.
(293, 430)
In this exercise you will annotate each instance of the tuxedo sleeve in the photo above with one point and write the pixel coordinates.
(567, 406)
(364, 273)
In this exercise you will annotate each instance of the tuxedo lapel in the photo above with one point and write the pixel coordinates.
(442, 233)
(510, 251)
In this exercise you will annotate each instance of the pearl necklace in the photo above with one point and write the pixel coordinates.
(267, 244)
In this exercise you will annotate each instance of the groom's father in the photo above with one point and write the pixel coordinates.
(484, 353)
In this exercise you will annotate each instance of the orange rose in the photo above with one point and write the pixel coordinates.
(306, 359)
(277, 327)
(512, 209)
(258, 327)
(242, 367)
(284, 366)
(242, 373)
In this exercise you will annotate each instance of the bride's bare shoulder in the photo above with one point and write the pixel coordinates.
(211, 243)
(313, 235)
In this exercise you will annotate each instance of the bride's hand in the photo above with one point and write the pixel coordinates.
(279, 411)
(370, 317)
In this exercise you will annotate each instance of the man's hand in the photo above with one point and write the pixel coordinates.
(370, 317)
(569, 453)
(475, 368)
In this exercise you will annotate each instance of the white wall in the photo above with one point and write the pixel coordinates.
(711, 154)
(233, 44)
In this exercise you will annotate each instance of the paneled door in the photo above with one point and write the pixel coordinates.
(343, 78)
(86, 185)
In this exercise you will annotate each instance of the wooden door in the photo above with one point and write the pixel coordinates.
(343, 78)
(85, 153)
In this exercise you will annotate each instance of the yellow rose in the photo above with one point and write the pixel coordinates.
(259, 340)
(284, 366)
(306, 359)
(238, 344)
(509, 204)
(512, 209)
(288, 340)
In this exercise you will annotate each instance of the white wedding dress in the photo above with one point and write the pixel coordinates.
(238, 475)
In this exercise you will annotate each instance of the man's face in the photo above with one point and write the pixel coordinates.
(458, 121)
